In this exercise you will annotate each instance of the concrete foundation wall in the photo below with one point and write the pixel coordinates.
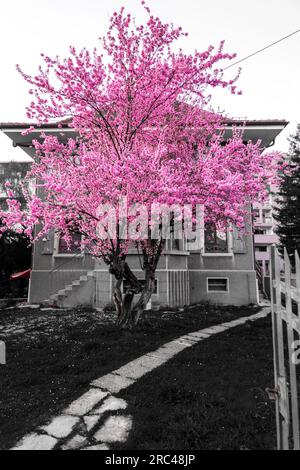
(181, 277)
(45, 283)
(242, 287)
(83, 295)
(172, 288)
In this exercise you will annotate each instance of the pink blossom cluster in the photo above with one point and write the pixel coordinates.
(145, 130)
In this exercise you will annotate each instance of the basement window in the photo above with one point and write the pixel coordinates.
(217, 284)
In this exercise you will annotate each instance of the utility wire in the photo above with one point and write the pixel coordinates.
(263, 49)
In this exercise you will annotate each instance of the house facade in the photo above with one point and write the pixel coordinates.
(221, 269)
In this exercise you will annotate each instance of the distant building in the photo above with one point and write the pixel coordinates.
(264, 238)
(12, 172)
(14, 164)
(222, 270)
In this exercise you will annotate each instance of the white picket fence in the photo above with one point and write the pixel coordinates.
(285, 300)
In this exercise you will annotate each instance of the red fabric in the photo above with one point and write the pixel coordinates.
(21, 275)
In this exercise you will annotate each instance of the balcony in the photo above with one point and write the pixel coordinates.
(265, 239)
(265, 222)
(265, 206)
(262, 255)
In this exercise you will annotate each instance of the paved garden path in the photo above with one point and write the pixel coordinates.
(98, 418)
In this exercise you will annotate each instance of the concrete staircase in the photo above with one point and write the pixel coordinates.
(61, 298)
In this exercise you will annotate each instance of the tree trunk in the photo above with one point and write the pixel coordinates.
(145, 297)
(123, 302)
(128, 314)
(125, 319)
(117, 298)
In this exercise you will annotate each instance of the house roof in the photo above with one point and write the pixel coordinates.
(65, 123)
(265, 130)
(257, 122)
(10, 154)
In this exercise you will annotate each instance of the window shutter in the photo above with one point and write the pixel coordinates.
(239, 242)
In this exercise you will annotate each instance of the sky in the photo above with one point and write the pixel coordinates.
(269, 81)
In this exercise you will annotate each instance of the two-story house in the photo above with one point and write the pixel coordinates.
(222, 270)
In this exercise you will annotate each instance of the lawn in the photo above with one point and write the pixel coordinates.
(52, 356)
(211, 396)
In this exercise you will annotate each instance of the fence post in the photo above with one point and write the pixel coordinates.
(2, 353)
(282, 408)
(275, 335)
(297, 266)
(292, 366)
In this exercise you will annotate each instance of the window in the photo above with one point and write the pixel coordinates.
(262, 248)
(1, 170)
(256, 213)
(260, 231)
(216, 241)
(142, 282)
(175, 244)
(217, 284)
(73, 247)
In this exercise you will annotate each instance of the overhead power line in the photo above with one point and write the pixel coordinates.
(263, 49)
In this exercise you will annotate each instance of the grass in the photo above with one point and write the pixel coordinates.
(211, 396)
(52, 356)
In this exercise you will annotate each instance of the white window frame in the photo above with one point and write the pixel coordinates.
(57, 254)
(208, 291)
(229, 245)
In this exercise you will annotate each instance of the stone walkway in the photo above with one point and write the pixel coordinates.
(98, 418)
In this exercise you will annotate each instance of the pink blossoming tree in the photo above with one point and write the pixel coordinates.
(140, 109)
